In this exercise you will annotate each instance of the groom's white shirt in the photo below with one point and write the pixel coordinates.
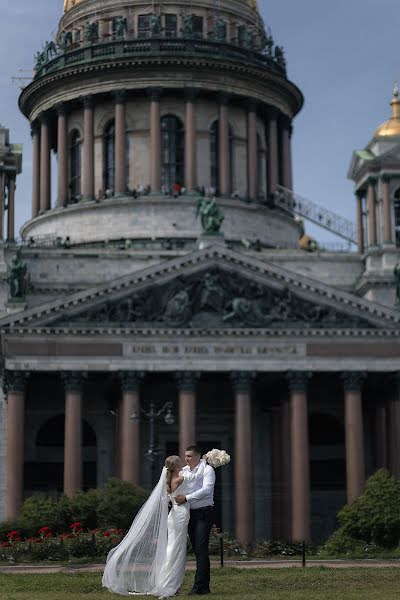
(202, 489)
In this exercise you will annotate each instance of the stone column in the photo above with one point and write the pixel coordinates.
(130, 426)
(371, 203)
(300, 461)
(394, 429)
(35, 132)
(387, 211)
(243, 462)
(285, 450)
(190, 140)
(224, 146)
(2, 202)
(62, 154)
(11, 209)
(273, 151)
(277, 517)
(155, 139)
(186, 382)
(286, 134)
(360, 225)
(73, 459)
(120, 143)
(45, 172)
(88, 149)
(381, 441)
(354, 436)
(15, 383)
(252, 158)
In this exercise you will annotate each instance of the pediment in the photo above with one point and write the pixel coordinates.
(208, 289)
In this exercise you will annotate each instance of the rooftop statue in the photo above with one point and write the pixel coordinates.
(17, 278)
(210, 214)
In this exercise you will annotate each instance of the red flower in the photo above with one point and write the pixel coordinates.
(75, 525)
(45, 532)
(13, 534)
(5, 545)
(65, 536)
(106, 534)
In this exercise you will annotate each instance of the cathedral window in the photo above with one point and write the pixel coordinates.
(109, 158)
(197, 26)
(172, 152)
(75, 154)
(144, 26)
(171, 25)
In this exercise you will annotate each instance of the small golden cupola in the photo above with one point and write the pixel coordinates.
(391, 128)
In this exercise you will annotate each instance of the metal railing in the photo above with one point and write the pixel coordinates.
(293, 203)
(157, 46)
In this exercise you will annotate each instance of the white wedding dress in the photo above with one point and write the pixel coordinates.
(151, 559)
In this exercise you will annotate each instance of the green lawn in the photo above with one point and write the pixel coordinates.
(313, 583)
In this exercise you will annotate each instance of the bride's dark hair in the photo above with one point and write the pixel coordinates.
(171, 463)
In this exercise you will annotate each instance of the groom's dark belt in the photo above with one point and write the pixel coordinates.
(203, 509)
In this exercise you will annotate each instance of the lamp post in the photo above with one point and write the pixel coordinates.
(153, 415)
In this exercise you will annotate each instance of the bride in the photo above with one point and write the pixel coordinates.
(151, 558)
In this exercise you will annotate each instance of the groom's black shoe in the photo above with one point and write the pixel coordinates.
(194, 592)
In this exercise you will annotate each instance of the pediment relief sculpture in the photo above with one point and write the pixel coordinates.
(216, 299)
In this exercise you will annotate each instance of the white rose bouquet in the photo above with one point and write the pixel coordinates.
(217, 458)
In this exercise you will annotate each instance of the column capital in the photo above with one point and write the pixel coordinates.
(359, 194)
(224, 98)
(131, 380)
(298, 380)
(154, 93)
(372, 180)
(190, 94)
(35, 128)
(73, 380)
(44, 118)
(273, 113)
(120, 96)
(61, 109)
(14, 381)
(252, 105)
(353, 381)
(286, 122)
(242, 381)
(385, 178)
(187, 380)
(88, 101)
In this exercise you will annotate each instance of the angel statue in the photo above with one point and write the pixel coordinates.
(210, 214)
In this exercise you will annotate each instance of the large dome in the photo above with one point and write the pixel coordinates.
(68, 4)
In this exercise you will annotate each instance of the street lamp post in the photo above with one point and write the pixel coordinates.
(153, 415)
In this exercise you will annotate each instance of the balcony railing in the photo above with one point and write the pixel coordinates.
(156, 46)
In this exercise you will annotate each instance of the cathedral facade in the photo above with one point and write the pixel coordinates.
(161, 299)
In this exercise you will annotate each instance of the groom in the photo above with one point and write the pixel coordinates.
(201, 502)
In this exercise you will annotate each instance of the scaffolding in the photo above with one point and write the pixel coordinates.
(295, 204)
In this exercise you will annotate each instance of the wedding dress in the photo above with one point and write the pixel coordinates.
(151, 558)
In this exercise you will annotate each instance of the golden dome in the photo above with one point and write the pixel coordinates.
(391, 128)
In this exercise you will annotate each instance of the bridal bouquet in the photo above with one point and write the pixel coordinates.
(217, 458)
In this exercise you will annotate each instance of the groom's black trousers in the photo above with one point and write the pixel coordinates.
(199, 533)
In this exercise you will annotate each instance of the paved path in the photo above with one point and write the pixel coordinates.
(241, 564)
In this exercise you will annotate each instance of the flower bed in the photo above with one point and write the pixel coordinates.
(77, 543)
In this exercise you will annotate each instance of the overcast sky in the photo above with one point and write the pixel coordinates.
(343, 54)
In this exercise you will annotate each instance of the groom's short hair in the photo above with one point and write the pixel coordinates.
(194, 449)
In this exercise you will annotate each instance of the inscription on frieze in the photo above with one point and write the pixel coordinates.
(214, 350)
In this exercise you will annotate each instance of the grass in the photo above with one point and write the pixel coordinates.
(313, 583)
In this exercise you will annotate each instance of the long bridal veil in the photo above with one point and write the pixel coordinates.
(134, 566)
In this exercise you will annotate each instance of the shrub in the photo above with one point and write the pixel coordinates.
(119, 502)
(38, 511)
(374, 517)
(83, 507)
(266, 548)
